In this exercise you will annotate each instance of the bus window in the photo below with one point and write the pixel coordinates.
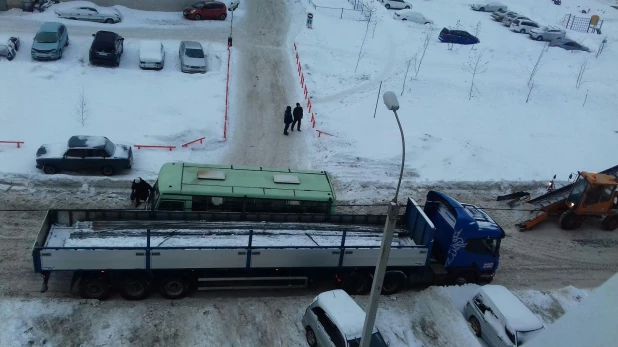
(171, 205)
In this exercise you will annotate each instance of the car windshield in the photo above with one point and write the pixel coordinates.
(46, 37)
(110, 147)
(198, 5)
(578, 191)
(525, 336)
(376, 341)
(194, 53)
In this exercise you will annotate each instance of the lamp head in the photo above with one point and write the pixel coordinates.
(390, 100)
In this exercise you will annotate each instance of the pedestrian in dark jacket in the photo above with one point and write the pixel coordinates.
(140, 190)
(298, 115)
(287, 119)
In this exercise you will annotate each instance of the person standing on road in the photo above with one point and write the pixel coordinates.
(287, 119)
(298, 115)
(140, 190)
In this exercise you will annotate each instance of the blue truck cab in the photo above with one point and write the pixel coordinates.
(466, 241)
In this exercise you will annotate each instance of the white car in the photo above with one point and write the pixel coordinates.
(509, 19)
(523, 26)
(547, 33)
(489, 7)
(90, 13)
(408, 15)
(9, 48)
(151, 55)
(192, 57)
(396, 4)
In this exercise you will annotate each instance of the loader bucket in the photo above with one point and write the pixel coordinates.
(539, 216)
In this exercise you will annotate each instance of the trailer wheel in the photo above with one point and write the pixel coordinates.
(94, 288)
(135, 288)
(610, 223)
(357, 283)
(394, 282)
(569, 221)
(174, 288)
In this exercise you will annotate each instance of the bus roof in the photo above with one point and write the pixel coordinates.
(244, 181)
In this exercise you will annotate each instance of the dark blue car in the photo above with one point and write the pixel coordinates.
(459, 37)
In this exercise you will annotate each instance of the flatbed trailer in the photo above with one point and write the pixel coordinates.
(137, 251)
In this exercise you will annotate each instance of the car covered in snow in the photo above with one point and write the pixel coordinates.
(523, 26)
(151, 54)
(460, 37)
(411, 16)
(206, 10)
(335, 319)
(488, 6)
(547, 33)
(508, 19)
(498, 16)
(396, 4)
(84, 153)
(568, 44)
(497, 316)
(192, 57)
(90, 13)
(9, 47)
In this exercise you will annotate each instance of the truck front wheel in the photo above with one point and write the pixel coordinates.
(569, 221)
(135, 288)
(465, 278)
(174, 288)
(94, 288)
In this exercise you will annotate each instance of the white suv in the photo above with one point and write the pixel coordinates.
(523, 26)
(335, 319)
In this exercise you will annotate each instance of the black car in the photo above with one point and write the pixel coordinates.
(460, 37)
(106, 49)
(84, 153)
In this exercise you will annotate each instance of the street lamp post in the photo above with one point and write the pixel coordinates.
(391, 102)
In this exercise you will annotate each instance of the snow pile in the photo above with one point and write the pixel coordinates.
(494, 136)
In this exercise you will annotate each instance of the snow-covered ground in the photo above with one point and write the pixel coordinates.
(494, 136)
(431, 317)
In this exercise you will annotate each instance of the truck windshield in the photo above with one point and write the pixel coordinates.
(376, 341)
(578, 191)
(483, 246)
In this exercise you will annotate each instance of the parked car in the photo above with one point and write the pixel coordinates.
(489, 7)
(500, 318)
(396, 4)
(49, 41)
(408, 15)
(84, 153)
(498, 16)
(192, 57)
(9, 48)
(106, 48)
(459, 37)
(206, 10)
(507, 20)
(151, 55)
(568, 44)
(335, 319)
(523, 26)
(547, 33)
(90, 13)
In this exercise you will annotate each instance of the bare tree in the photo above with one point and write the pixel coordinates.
(583, 67)
(423, 49)
(409, 62)
(477, 31)
(368, 21)
(530, 87)
(602, 47)
(586, 98)
(475, 65)
(82, 113)
(534, 70)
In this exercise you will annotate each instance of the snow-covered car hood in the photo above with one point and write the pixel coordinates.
(122, 151)
(44, 46)
(201, 62)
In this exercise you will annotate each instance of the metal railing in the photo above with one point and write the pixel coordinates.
(359, 8)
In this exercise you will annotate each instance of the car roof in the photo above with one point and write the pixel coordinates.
(50, 26)
(344, 311)
(103, 35)
(85, 141)
(192, 44)
(516, 314)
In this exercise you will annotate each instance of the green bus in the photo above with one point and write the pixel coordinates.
(205, 187)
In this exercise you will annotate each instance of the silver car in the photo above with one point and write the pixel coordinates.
(499, 15)
(89, 13)
(500, 318)
(335, 319)
(547, 33)
(488, 7)
(509, 19)
(192, 58)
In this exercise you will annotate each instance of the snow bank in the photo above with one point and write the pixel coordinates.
(494, 136)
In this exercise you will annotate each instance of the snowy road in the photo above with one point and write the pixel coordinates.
(262, 85)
